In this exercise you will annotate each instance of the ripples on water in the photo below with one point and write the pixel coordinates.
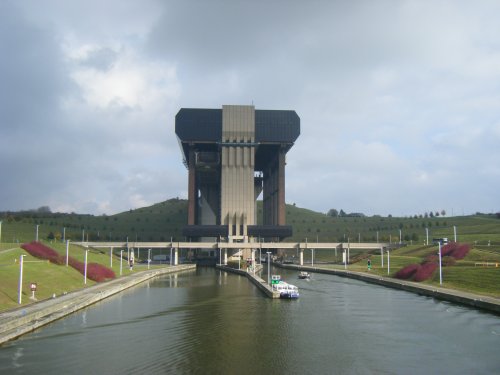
(209, 322)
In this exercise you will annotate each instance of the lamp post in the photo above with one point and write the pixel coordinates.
(67, 252)
(36, 236)
(427, 236)
(269, 268)
(455, 232)
(85, 268)
(20, 286)
(121, 261)
(149, 257)
(171, 245)
(440, 268)
(388, 263)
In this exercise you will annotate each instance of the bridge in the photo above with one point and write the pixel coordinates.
(223, 247)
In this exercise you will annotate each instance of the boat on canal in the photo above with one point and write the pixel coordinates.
(304, 275)
(287, 291)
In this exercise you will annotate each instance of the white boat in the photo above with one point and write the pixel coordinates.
(304, 275)
(286, 290)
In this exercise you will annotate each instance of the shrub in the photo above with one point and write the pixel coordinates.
(40, 251)
(407, 272)
(456, 250)
(95, 271)
(461, 251)
(425, 271)
(448, 248)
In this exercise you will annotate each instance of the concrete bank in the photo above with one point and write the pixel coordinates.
(17, 322)
(490, 304)
(260, 283)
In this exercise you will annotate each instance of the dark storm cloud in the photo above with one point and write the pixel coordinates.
(395, 98)
(33, 82)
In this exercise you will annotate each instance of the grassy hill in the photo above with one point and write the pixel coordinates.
(164, 220)
(161, 221)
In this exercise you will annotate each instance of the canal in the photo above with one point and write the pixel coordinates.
(210, 322)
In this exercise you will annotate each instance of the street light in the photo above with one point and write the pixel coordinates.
(85, 269)
(388, 263)
(121, 261)
(67, 252)
(149, 257)
(440, 268)
(20, 287)
(269, 268)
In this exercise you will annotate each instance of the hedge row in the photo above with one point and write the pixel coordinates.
(423, 271)
(95, 271)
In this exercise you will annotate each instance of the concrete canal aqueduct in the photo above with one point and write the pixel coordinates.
(225, 249)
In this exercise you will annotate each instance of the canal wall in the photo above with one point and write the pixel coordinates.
(464, 298)
(256, 280)
(17, 322)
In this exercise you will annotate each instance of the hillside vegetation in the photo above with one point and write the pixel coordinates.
(165, 220)
(478, 272)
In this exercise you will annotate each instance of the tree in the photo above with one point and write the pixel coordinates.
(342, 213)
(443, 212)
(332, 213)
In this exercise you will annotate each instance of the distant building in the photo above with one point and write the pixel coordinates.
(232, 155)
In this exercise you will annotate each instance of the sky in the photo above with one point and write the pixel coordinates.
(399, 100)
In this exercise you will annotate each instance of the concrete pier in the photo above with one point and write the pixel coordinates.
(17, 322)
(256, 280)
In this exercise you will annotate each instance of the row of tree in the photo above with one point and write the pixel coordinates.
(334, 213)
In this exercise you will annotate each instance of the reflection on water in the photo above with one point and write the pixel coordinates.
(211, 322)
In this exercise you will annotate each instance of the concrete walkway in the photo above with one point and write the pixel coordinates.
(17, 322)
(464, 298)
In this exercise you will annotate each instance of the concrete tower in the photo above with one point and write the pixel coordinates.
(233, 155)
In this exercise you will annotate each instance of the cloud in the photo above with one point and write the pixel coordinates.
(398, 101)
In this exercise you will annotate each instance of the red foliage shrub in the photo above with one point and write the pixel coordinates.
(456, 250)
(461, 251)
(407, 272)
(425, 271)
(98, 272)
(39, 250)
(95, 271)
(448, 248)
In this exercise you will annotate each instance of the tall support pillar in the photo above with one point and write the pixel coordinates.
(192, 196)
(176, 256)
(225, 257)
(301, 257)
(281, 189)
